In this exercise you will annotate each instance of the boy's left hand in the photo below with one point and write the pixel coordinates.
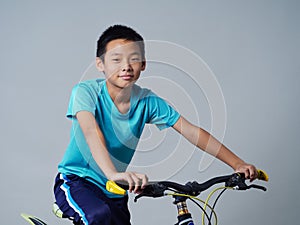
(249, 170)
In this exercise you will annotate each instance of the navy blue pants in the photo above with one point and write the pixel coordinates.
(85, 203)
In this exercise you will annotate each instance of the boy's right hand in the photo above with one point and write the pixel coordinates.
(136, 181)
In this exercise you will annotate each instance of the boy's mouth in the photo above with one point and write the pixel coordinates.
(126, 77)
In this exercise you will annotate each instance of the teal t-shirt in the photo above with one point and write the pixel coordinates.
(121, 131)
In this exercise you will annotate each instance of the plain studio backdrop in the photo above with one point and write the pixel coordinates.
(232, 67)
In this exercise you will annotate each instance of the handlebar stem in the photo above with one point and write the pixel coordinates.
(183, 215)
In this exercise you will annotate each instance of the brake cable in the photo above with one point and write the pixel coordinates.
(209, 197)
(194, 200)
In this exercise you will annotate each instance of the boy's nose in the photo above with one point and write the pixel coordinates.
(126, 67)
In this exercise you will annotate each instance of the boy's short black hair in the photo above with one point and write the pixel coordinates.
(118, 32)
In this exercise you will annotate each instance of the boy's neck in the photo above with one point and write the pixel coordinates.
(119, 95)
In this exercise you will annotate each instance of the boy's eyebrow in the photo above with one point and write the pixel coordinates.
(118, 54)
(135, 53)
(114, 53)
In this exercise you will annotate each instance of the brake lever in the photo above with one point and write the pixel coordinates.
(154, 190)
(238, 182)
(257, 187)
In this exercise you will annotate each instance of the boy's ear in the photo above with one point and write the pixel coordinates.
(99, 64)
(143, 65)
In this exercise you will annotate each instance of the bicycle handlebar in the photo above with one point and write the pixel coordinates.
(157, 189)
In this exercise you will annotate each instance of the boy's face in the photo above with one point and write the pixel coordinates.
(123, 63)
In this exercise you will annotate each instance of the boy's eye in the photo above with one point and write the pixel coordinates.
(116, 60)
(135, 59)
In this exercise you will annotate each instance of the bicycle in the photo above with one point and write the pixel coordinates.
(181, 193)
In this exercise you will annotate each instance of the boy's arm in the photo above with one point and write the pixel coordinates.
(209, 144)
(96, 142)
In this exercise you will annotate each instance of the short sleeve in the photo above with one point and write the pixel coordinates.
(161, 113)
(82, 99)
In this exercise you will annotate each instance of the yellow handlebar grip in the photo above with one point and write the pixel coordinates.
(262, 175)
(112, 187)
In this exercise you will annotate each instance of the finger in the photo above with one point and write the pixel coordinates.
(246, 173)
(253, 173)
(130, 182)
(138, 182)
(144, 180)
(135, 181)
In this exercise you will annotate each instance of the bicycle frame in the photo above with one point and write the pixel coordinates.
(32, 219)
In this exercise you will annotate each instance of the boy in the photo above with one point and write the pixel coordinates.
(108, 117)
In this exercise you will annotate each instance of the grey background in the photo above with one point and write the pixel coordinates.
(251, 46)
